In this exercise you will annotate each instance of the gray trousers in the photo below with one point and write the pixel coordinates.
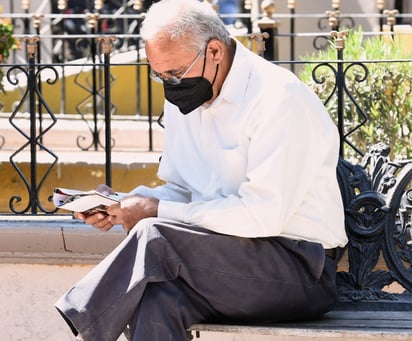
(166, 276)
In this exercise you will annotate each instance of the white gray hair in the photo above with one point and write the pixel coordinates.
(192, 23)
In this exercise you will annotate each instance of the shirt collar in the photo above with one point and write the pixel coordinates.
(236, 82)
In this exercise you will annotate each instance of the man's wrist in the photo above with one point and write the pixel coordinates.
(153, 207)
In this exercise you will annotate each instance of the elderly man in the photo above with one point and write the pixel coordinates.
(245, 227)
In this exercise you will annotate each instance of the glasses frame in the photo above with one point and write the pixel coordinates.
(173, 80)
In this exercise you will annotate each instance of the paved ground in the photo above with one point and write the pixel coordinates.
(27, 295)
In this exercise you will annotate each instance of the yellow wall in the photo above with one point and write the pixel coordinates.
(81, 175)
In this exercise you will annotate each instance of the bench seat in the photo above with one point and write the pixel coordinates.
(377, 197)
(335, 325)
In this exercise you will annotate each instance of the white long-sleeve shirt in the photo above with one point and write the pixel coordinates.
(259, 161)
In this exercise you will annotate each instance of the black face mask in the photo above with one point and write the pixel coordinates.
(190, 93)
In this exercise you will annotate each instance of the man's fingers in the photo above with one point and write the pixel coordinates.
(105, 189)
(104, 227)
(100, 221)
(79, 215)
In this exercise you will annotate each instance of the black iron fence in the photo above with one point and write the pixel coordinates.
(33, 79)
(39, 110)
(100, 89)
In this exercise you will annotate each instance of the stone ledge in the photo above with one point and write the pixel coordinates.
(51, 240)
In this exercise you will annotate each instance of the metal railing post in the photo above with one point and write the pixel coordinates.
(292, 6)
(269, 26)
(391, 17)
(61, 5)
(380, 4)
(31, 53)
(36, 25)
(106, 47)
(340, 82)
(93, 24)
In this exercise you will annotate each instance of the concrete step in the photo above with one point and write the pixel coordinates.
(128, 134)
(54, 240)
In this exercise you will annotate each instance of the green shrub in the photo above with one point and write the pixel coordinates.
(7, 43)
(384, 93)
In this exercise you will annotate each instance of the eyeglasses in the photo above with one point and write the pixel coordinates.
(173, 80)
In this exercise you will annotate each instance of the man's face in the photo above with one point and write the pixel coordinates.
(169, 60)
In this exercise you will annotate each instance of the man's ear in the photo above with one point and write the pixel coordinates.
(215, 51)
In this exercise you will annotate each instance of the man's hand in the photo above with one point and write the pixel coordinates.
(130, 210)
(99, 220)
(127, 212)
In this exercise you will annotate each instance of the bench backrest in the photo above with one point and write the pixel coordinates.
(377, 196)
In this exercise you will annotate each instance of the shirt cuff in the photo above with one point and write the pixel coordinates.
(171, 210)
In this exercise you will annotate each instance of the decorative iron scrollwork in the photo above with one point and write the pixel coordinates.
(93, 102)
(335, 77)
(377, 196)
(2, 139)
(33, 137)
